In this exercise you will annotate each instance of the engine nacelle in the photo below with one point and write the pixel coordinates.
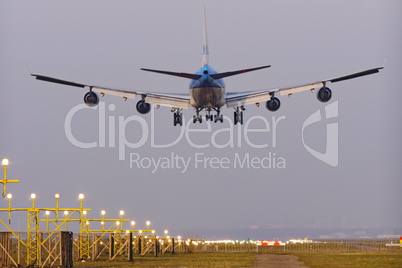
(324, 94)
(273, 104)
(143, 107)
(91, 99)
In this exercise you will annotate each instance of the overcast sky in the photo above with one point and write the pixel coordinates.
(107, 42)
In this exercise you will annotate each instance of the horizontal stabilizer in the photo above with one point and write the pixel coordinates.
(222, 75)
(184, 75)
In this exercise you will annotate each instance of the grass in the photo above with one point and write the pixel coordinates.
(246, 259)
(357, 260)
(238, 259)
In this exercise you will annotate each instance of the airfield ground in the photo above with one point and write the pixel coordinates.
(252, 259)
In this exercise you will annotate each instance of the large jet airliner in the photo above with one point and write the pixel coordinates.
(207, 92)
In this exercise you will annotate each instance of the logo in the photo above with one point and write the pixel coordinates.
(330, 156)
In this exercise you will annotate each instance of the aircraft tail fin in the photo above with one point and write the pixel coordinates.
(205, 51)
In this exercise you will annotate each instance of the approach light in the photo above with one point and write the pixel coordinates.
(65, 212)
(84, 212)
(121, 212)
(148, 223)
(81, 196)
(33, 196)
(166, 232)
(103, 212)
(117, 223)
(57, 196)
(132, 223)
(47, 212)
(5, 162)
(9, 196)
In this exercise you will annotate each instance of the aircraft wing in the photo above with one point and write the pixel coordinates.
(252, 97)
(163, 99)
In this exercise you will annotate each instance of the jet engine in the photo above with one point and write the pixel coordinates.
(324, 94)
(273, 104)
(143, 107)
(91, 99)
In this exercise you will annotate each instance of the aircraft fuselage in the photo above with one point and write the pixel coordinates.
(207, 92)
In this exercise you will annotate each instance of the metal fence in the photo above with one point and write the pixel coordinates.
(336, 246)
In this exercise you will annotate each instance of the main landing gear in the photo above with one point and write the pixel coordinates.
(209, 117)
(238, 115)
(197, 117)
(177, 117)
(217, 118)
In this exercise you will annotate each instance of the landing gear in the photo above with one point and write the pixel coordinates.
(208, 117)
(217, 118)
(197, 117)
(238, 115)
(177, 117)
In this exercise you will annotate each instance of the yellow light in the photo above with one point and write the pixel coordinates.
(121, 212)
(5, 162)
(57, 196)
(9, 196)
(81, 196)
(33, 196)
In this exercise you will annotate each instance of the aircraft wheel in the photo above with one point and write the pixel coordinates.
(180, 119)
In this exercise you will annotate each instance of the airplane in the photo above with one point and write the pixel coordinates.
(207, 91)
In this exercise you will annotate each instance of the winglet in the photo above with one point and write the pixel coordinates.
(205, 51)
